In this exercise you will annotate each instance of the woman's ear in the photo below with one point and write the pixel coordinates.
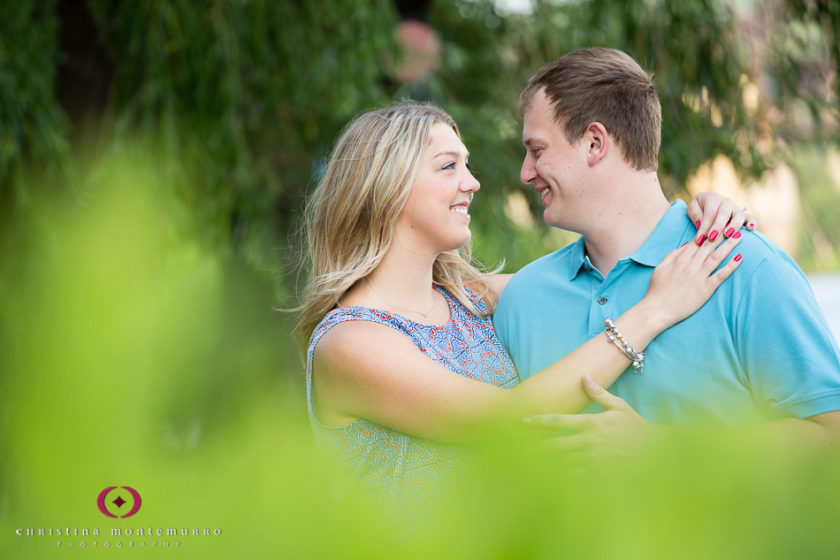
(598, 142)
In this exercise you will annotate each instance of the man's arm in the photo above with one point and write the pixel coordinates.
(619, 432)
(790, 360)
(819, 430)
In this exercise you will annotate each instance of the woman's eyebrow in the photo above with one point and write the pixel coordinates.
(453, 154)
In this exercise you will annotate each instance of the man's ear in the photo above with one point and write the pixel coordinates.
(598, 142)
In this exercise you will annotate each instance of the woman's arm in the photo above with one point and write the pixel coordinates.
(363, 369)
(497, 282)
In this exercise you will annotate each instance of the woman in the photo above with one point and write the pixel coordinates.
(402, 355)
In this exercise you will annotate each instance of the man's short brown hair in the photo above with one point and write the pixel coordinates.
(607, 86)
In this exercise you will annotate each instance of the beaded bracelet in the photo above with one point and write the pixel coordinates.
(638, 358)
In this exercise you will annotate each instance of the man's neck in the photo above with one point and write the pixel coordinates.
(622, 228)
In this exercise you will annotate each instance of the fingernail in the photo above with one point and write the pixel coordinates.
(751, 225)
(701, 239)
(737, 235)
(737, 257)
(698, 224)
(713, 235)
(729, 232)
(684, 244)
(589, 382)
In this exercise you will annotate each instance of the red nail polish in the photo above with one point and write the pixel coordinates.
(701, 239)
(684, 244)
(751, 225)
(698, 224)
(737, 235)
(729, 232)
(713, 235)
(737, 257)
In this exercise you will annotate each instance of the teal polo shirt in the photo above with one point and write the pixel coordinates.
(758, 350)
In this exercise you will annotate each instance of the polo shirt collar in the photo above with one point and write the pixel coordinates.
(665, 238)
(577, 258)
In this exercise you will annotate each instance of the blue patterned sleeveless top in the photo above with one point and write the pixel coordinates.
(405, 470)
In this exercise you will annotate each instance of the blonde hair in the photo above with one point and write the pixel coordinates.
(351, 214)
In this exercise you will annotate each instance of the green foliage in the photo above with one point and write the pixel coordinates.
(249, 96)
(133, 355)
(819, 240)
(32, 125)
(245, 95)
(802, 70)
(136, 353)
(825, 15)
(138, 348)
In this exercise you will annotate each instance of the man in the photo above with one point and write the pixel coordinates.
(758, 353)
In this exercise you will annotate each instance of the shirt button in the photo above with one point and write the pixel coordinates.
(602, 300)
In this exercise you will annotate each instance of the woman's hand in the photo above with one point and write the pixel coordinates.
(687, 277)
(715, 212)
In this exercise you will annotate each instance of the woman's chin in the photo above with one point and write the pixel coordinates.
(465, 240)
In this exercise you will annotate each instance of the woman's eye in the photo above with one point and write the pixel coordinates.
(450, 165)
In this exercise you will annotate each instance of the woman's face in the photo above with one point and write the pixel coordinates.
(436, 217)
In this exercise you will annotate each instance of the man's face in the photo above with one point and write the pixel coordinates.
(556, 169)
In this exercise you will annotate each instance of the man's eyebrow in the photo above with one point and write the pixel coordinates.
(452, 154)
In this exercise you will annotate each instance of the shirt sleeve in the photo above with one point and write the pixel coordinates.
(790, 357)
(503, 316)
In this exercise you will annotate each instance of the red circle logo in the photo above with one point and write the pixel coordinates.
(114, 499)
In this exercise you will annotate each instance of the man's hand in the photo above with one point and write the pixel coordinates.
(617, 433)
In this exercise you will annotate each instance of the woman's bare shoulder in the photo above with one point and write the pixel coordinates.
(352, 337)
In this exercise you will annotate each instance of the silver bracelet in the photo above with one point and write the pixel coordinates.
(638, 358)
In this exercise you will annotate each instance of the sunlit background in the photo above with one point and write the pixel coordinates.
(154, 158)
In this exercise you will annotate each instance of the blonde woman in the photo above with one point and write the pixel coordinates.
(402, 357)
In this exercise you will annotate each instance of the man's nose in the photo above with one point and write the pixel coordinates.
(528, 173)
